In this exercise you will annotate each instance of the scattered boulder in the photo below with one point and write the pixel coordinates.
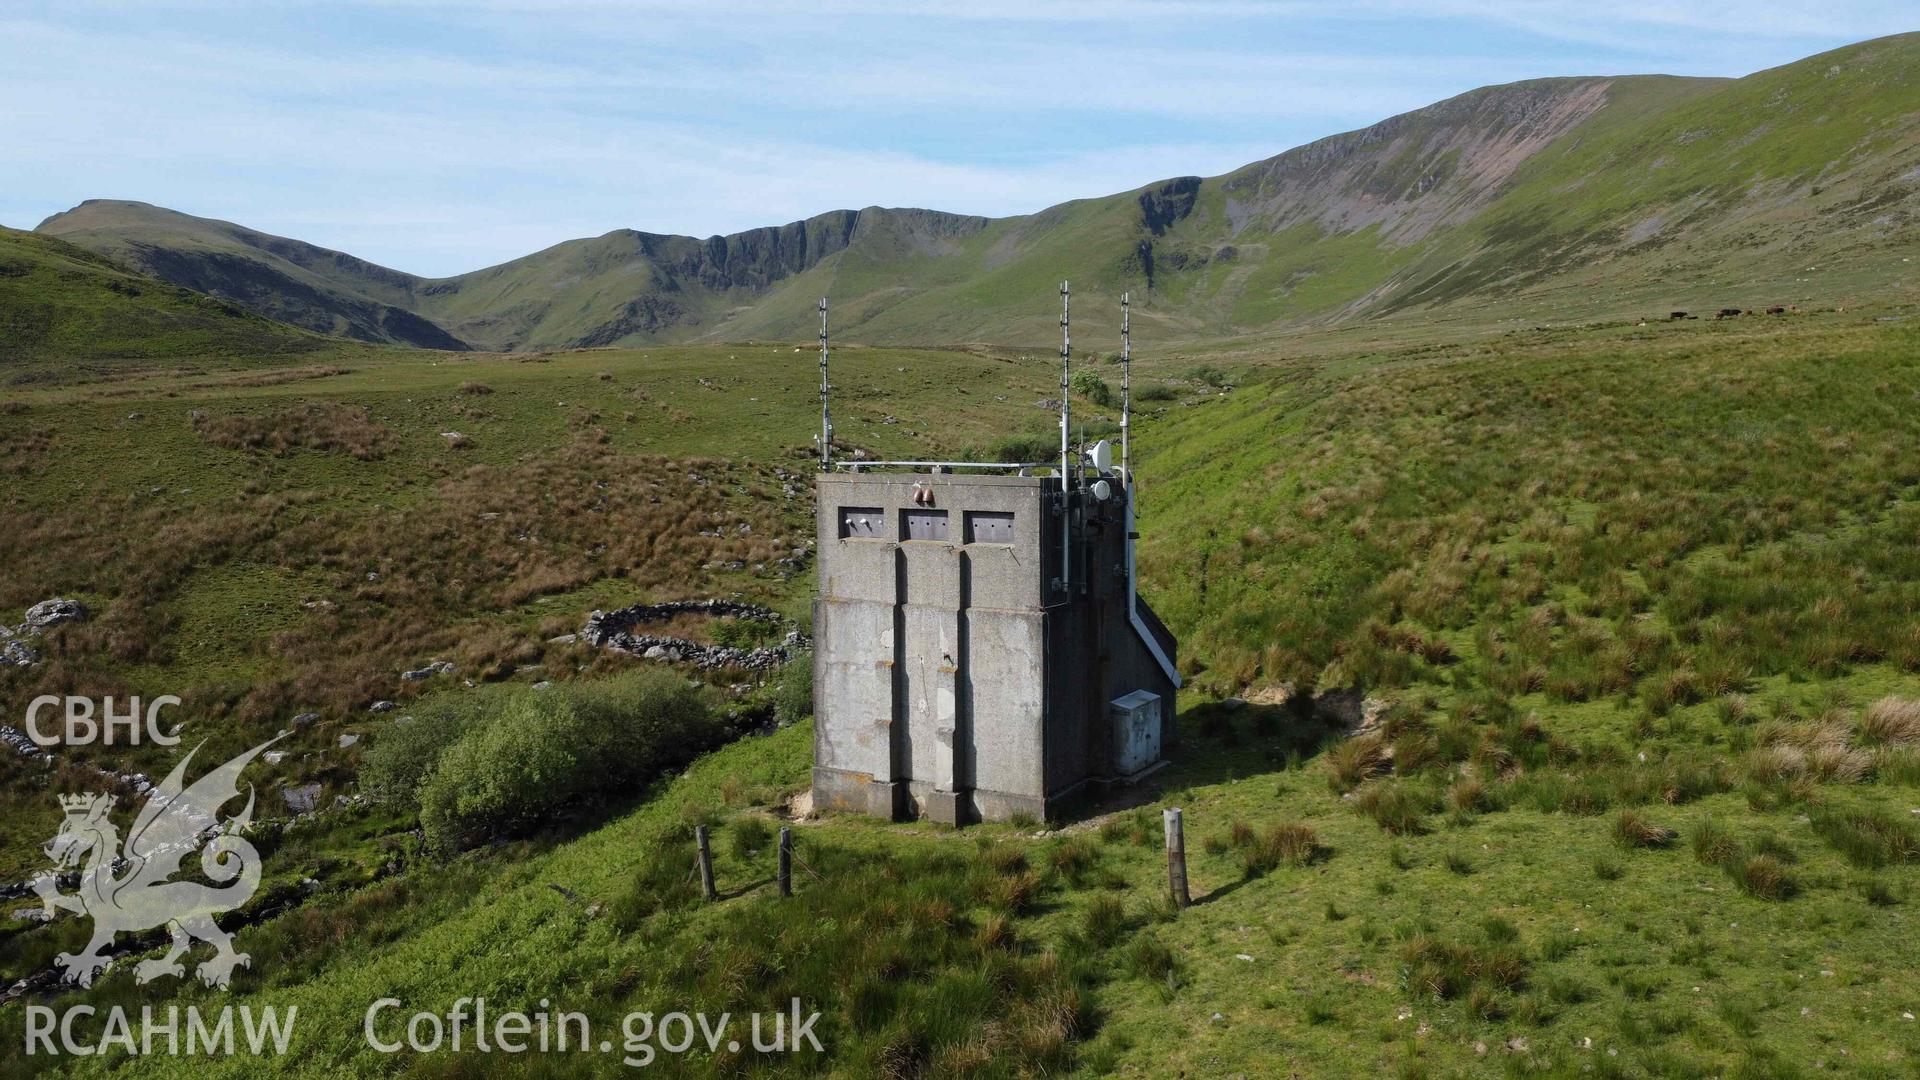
(800, 807)
(17, 740)
(438, 667)
(15, 651)
(274, 757)
(380, 707)
(1340, 707)
(50, 613)
(302, 799)
(30, 914)
(348, 740)
(305, 718)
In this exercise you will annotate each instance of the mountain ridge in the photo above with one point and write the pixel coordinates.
(1492, 195)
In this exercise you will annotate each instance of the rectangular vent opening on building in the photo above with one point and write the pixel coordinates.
(863, 522)
(989, 527)
(923, 524)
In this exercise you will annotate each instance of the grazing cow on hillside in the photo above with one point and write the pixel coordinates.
(1776, 310)
(1678, 315)
(1728, 313)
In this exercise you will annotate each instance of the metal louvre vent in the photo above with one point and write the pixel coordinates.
(989, 527)
(924, 524)
(863, 522)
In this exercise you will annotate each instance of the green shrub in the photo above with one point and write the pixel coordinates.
(745, 632)
(402, 755)
(527, 755)
(1014, 449)
(1088, 384)
(793, 693)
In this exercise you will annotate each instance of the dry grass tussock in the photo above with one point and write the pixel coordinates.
(1819, 749)
(385, 591)
(325, 426)
(1890, 722)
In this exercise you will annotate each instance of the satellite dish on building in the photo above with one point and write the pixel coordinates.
(1102, 455)
(1102, 490)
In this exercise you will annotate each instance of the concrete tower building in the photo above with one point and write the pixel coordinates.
(980, 651)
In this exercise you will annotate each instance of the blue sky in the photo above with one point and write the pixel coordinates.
(440, 137)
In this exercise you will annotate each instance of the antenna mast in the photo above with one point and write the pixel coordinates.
(826, 420)
(1126, 388)
(1066, 481)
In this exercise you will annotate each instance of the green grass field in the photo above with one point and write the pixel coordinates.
(1638, 597)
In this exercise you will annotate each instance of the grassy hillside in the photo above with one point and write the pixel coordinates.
(64, 309)
(1556, 199)
(286, 280)
(1636, 596)
(287, 541)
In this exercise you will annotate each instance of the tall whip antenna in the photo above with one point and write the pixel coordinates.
(1066, 481)
(1126, 387)
(826, 420)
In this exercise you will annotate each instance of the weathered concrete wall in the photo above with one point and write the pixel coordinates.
(954, 677)
(1006, 697)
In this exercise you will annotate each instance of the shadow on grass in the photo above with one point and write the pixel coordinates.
(1217, 745)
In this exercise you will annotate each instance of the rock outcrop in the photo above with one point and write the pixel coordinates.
(16, 650)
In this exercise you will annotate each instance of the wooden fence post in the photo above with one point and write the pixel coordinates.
(786, 861)
(700, 839)
(1176, 858)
